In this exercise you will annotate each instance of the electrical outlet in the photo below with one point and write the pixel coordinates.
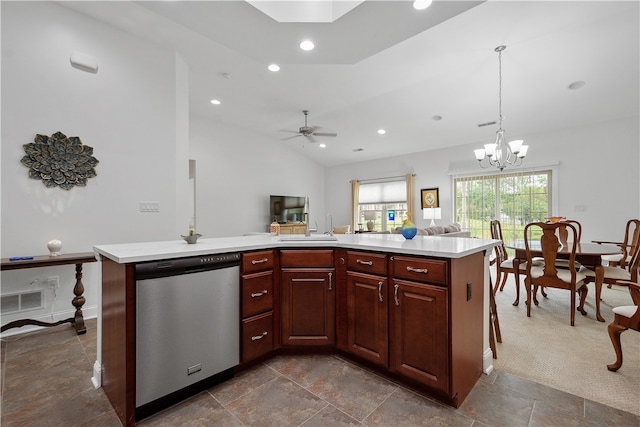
(53, 282)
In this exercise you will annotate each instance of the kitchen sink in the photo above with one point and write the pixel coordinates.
(302, 237)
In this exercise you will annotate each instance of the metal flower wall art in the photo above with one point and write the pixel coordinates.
(59, 161)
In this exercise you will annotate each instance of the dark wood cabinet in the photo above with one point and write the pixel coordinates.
(307, 298)
(367, 317)
(257, 305)
(416, 318)
(367, 306)
(419, 338)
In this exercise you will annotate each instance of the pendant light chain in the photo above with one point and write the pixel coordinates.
(500, 154)
(500, 49)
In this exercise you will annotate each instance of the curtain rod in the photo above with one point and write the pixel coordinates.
(383, 179)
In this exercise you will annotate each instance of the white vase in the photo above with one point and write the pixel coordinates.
(54, 247)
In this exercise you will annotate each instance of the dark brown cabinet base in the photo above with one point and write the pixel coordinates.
(416, 319)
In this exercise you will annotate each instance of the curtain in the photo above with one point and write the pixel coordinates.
(410, 191)
(355, 200)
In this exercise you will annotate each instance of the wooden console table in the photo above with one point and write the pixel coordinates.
(50, 261)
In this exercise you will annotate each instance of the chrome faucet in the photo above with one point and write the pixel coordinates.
(307, 230)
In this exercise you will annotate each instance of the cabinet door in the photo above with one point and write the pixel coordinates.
(367, 317)
(308, 307)
(419, 333)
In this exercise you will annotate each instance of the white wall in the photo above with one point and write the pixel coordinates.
(597, 168)
(126, 112)
(236, 171)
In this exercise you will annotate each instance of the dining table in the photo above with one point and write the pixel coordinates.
(587, 254)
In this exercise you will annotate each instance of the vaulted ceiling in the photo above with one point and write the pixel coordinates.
(429, 77)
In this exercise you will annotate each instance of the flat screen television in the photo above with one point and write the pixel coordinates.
(286, 209)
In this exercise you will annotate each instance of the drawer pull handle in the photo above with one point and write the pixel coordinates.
(330, 280)
(359, 261)
(259, 261)
(259, 337)
(380, 291)
(395, 295)
(417, 270)
(258, 294)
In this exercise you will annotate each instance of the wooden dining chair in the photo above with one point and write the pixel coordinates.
(626, 317)
(563, 235)
(548, 274)
(628, 245)
(504, 264)
(612, 275)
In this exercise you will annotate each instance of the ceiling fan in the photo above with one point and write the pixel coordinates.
(309, 132)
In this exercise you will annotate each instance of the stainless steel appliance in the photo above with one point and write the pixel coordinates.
(187, 327)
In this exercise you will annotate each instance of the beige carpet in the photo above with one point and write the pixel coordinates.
(546, 349)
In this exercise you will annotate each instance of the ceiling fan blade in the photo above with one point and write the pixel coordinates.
(325, 134)
(311, 138)
(290, 131)
(291, 137)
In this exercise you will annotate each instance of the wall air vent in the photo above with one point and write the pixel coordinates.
(24, 301)
(481, 125)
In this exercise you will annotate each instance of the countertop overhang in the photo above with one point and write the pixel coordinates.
(432, 246)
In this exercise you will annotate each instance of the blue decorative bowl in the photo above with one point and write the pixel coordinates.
(409, 232)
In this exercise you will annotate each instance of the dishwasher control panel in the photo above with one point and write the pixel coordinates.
(177, 266)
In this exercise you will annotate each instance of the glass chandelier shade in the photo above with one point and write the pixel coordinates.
(500, 154)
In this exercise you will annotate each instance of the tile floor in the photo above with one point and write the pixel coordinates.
(46, 382)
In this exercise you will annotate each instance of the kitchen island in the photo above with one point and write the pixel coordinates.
(424, 298)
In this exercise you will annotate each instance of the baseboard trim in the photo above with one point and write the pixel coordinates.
(96, 379)
(487, 361)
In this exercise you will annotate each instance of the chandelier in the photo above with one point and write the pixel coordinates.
(500, 154)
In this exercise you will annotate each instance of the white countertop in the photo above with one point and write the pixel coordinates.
(435, 246)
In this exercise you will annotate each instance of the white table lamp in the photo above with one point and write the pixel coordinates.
(369, 216)
(432, 214)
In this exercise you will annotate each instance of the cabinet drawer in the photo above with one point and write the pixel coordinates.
(257, 293)
(257, 336)
(306, 258)
(367, 262)
(257, 261)
(420, 269)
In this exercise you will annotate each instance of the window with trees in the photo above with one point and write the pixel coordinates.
(513, 198)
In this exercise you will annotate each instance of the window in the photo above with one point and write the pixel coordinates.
(383, 203)
(513, 198)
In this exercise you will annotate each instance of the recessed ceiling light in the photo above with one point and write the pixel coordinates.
(215, 102)
(322, 145)
(307, 45)
(436, 118)
(382, 131)
(421, 4)
(576, 85)
(355, 150)
(273, 67)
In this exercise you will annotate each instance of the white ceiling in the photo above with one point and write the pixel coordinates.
(385, 65)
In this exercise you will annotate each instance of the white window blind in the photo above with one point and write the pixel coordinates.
(383, 192)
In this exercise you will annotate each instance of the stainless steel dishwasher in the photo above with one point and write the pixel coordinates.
(187, 327)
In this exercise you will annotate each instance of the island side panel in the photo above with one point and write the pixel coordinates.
(118, 338)
(466, 323)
